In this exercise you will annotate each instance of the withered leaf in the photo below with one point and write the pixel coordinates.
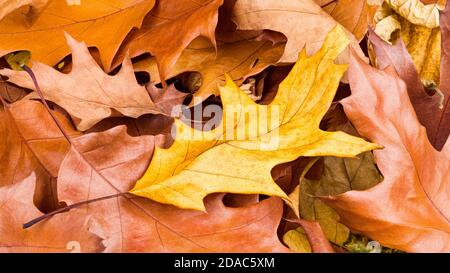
(409, 209)
(433, 111)
(62, 233)
(101, 164)
(87, 93)
(103, 24)
(193, 18)
(35, 7)
(30, 142)
(303, 22)
(239, 59)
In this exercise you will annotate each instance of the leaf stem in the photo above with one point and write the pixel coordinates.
(67, 208)
(66, 136)
(41, 96)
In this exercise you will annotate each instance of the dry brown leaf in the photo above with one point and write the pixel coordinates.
(239, 59)
(303, 22)
(188, 171)
(189, 19)
(101, 164)
(87, 93)
(62, 233)
(353, 15)
(418, 25)
(432, 108)
(30, 143)
(10, 92)
(332, 176)
(418, 13)
(409, 209)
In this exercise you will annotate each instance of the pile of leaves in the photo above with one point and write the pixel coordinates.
(108, 142)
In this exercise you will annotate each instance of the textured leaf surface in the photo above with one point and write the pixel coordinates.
(239, 60)
(422, 40)
(34, 8)
(351, 14)
(54, 235)
(102, 164)
(31, 143)
(190, 170)
(103, 24)
(168, 17)
(88, 93)
(414, 214)
(432, 111)
(303, 22)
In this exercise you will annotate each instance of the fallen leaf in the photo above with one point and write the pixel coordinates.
(35, 7)
(102, 164)
(351, 14)
(422, 37)
(240, 60)
(308, 238)
(87, 93)
(424, 46)
(409, 210)
(432, 111)
(53, 235)
(189, 170)
(417, 12)
(240, 54)
(102, 159)
(10, 92)
(166, 100)
(159, 126)
(332, 176)
(227, 32)
(193, 18)
(152, 125)
(339, 175)
(103, 24)
(297, 241)
(31, 143)
(303, 22)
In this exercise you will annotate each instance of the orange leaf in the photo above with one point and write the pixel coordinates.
(409, 210)
(53, 235)
(103, 24)
(169, 28)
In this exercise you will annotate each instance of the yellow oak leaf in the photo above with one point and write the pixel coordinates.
(239, 154)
